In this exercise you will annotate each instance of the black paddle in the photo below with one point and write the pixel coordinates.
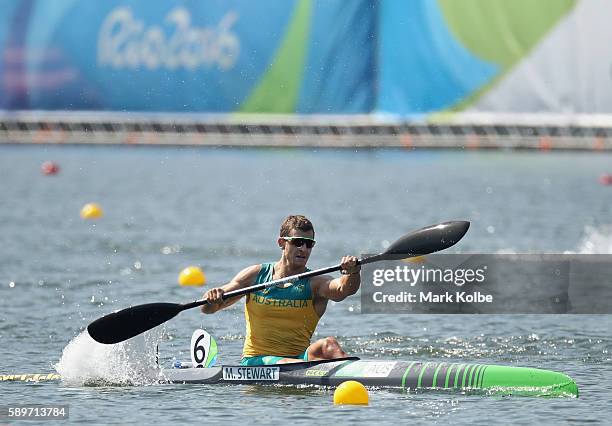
(130, 322)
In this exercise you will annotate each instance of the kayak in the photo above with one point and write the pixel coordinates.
(407, 375)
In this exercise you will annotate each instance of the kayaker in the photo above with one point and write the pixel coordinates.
(280, 320)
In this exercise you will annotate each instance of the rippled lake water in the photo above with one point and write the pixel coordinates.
(167, 208)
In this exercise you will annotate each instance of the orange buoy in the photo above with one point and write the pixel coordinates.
(50, 168)
(606, 179)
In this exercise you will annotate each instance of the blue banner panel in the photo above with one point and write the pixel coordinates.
(139, 55)
(423, 68)
(341, 72)
(187, 56)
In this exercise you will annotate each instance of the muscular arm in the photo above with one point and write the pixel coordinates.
(243, 279)
(338, 289)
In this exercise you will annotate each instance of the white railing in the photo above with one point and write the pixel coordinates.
(473, 132)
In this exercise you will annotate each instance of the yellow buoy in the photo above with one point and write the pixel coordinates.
(351, 392)
(192, 276)
(91, 211)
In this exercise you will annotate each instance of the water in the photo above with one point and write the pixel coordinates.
(167, 208)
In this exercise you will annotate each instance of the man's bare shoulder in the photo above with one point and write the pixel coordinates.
(248, 274)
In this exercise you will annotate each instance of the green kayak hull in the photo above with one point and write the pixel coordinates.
(409, 375)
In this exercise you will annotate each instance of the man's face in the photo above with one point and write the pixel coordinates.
(298, 256)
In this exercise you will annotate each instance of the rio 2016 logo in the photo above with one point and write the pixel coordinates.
(124, 42)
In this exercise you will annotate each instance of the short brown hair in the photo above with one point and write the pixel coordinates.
(298, 222)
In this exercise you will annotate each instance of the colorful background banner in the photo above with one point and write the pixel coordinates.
(417, 58)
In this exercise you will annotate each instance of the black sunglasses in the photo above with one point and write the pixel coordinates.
(300, 241)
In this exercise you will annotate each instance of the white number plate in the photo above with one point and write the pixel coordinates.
(250, 373)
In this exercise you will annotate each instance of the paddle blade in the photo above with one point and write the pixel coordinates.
(427, 240)
(130, 322)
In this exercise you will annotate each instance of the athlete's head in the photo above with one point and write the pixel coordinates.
(296, 239)
(296, 223)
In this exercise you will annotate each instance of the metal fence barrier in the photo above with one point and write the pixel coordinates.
(363, 131)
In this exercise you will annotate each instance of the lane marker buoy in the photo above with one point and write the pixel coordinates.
(351, 392)
(50, 168)
(29, 377)
(192, 276)
(91, 211)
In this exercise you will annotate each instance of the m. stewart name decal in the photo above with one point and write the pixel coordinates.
(250, 373)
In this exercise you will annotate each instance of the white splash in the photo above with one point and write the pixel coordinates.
(87, 362)
(596, 240)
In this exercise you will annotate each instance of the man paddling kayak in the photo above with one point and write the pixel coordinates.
(280, 320)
